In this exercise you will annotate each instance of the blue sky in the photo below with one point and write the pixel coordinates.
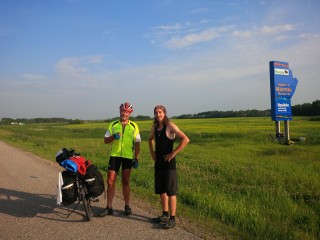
(80, 59)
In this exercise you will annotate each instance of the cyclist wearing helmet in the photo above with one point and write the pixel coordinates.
(124, 136)
(161, 140)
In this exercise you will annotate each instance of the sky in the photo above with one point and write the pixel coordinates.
(80, 59)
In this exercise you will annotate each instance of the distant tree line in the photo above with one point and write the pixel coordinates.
(306, 109)
(6, 121)
(137, 118)
(227, 114)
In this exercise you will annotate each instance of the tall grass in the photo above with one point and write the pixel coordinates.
(233, 176)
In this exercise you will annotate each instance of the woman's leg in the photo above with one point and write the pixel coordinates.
(164, 202)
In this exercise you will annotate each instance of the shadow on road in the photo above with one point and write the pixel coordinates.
(27, 205)
(133, 216)
(30, 205)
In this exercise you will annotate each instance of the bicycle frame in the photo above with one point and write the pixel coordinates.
(82, 196)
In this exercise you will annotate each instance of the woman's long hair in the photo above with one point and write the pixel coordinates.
(165, 119)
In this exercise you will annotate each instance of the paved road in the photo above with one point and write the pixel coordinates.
(28, 209)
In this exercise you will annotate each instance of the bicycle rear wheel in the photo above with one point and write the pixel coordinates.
(86, 205)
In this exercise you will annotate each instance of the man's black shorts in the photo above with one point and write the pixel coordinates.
(166, 181)
(116, 162)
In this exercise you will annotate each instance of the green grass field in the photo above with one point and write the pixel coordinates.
(235, 179)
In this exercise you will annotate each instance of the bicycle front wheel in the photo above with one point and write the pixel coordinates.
(86, 205)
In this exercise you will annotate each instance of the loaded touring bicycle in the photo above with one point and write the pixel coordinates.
(80, 181)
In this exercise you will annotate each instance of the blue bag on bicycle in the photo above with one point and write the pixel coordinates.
(69, 165)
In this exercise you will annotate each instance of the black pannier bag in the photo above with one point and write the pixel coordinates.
(94, 181)
(68, 188)
(63, 154)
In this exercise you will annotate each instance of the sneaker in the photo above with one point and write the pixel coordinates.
(169, 224)
(161, 219)
(127, 210)
(105, 212)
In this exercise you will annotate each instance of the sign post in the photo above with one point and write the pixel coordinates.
(282, 88)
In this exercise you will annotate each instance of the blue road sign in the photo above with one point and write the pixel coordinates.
(282, 88)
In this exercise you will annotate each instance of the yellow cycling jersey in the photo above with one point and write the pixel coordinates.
(124, 147)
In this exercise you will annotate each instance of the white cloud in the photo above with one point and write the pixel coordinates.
(187, 39)
(31, 76)
(176, 26)
(243, 34)
(177, 36)
(70, 65)
(266, 31)
(192, 39)
(181, 36)
(77, 65)
(277, 29)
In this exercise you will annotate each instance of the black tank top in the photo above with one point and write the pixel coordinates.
(164, 146)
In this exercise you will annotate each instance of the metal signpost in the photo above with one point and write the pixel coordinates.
(282, 88)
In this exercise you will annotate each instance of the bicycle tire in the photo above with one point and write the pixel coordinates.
(86, 205)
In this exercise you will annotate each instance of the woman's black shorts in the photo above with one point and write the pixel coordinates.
(166, 181)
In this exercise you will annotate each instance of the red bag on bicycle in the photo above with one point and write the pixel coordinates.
(82, 163)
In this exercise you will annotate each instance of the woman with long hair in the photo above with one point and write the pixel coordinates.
(161, 140)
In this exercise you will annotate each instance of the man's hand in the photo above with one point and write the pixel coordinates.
(116, 136)
(135, 163)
